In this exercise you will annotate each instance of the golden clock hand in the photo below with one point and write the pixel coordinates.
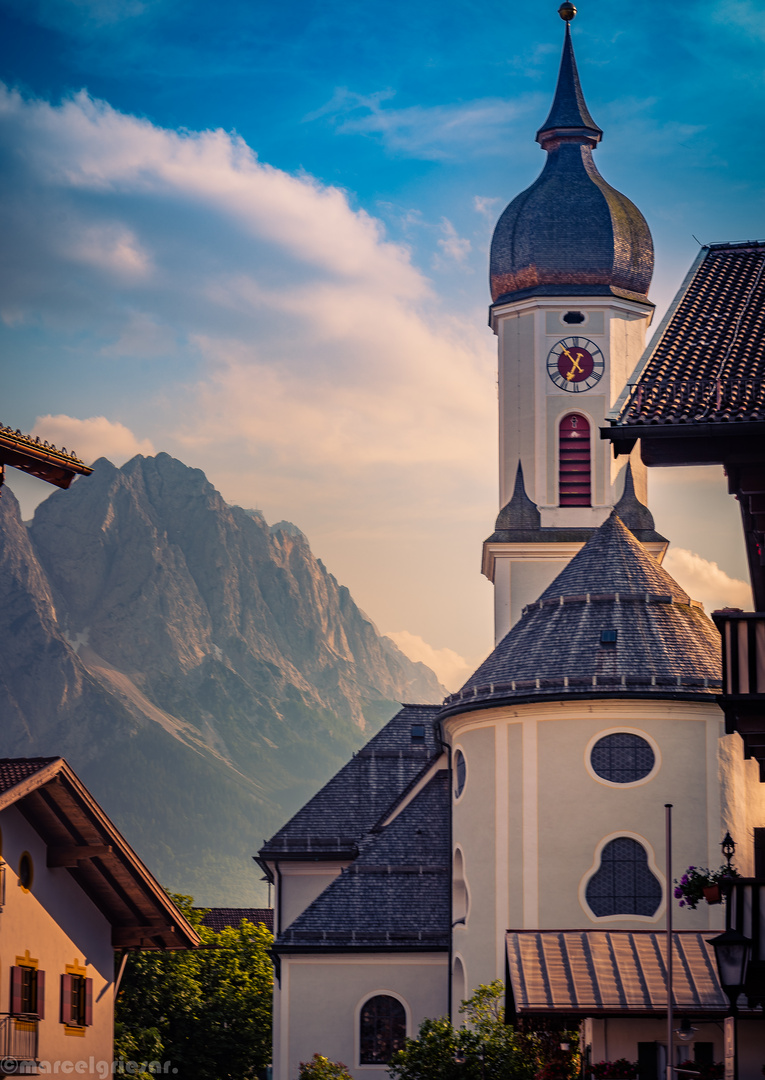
(576, 366)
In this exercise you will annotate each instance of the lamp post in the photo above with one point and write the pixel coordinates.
(732, 955)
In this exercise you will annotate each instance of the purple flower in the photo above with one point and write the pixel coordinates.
(682, 903)
(678, 893)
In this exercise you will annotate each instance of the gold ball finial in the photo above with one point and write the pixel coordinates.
(567, 11)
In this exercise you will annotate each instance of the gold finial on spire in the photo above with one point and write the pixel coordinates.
(567, 11)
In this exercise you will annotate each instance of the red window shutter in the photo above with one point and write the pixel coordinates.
(66, 999)
(574, 469)
(15, 990)
(40, 995)
(88, 1002)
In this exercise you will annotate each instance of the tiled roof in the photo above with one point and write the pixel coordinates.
(665, 645)
(14, 770)
(336, 819)
(611, 972)
(219, 918)
(706, 363)
(396, 894)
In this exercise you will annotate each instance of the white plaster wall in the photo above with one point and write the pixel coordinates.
(58, 925)
(474, 830)
(742, 802)
(532, 816)
(324, 994)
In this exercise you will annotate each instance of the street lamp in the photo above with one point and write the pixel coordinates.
(732, 956)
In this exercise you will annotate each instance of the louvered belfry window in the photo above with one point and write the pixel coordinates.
(574, 473)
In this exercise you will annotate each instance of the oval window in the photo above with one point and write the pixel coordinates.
(622, 758)
(460, 772)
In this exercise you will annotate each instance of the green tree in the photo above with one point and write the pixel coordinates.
(484, 1047)
(206, 1010)
(321, 1068)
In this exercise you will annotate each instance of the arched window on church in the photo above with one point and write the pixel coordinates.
(623, 884)
(383, 1029)
(574, 472)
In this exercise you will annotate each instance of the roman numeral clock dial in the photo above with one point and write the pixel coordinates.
(575, 364)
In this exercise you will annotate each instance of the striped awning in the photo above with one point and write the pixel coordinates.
(611, 972)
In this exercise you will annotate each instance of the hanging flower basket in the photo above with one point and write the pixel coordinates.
(698, 883)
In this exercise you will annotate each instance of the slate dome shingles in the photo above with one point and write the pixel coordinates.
(570, 233)
(665, 645)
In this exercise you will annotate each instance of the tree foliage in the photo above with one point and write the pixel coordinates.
(207, 1010)
(485, 1047)
(321, 1068)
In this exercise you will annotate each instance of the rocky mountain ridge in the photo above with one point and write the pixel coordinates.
(202, 671)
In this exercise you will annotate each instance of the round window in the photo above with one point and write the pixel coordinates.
(622, 758)
(26, 871)
(460, 771)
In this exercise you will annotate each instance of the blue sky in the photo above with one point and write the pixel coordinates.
(255, 235)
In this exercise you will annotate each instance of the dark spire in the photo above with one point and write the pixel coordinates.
(569, 116)
(520, 512)
(632, 512)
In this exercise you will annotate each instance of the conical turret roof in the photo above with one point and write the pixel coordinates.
(612, 623)
(569, 111)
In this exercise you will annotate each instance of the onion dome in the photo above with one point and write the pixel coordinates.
(613, 623)
(570, 233)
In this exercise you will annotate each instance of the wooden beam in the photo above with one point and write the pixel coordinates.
(72, 855)
(125, 937)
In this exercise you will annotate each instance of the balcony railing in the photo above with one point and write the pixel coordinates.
(743, 687)
(18, 1039)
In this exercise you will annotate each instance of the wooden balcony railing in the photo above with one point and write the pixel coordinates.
(743, 688)
(18, 1039)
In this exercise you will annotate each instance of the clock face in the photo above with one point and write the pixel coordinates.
(575, 364)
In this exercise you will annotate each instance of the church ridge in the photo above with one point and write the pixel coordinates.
(569, 115)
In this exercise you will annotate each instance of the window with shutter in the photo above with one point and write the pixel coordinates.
(76, 1001)
(574, 487)
(27, 991)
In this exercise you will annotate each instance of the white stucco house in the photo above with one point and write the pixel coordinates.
(74, 899)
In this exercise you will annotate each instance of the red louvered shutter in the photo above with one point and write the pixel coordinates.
(66, 999)
(574, 461)
(16, 975)
(88, 1002)
(40, 1009)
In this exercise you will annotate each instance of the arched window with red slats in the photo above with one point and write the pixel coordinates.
(574, 473)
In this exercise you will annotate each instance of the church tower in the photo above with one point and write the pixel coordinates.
(571, 264)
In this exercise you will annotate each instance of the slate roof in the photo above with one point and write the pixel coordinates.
(218, 919)
(396, 895)
(665, 645)
(706, 364)
(14, 770)
(336, 819)
(570, 233)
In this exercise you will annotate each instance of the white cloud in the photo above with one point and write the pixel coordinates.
(92, 438)
(254, 324)
(705, 581)
(453, 246)
(435, 132)
(451, 669)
